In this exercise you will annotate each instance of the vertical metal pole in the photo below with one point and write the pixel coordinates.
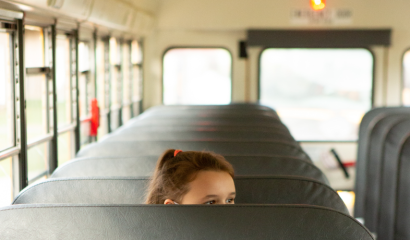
(54, 143)
(74, 60)
(20, 71)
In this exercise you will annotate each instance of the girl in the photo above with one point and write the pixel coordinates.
(192, 178)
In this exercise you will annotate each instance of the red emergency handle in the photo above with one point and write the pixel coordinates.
(95, 118)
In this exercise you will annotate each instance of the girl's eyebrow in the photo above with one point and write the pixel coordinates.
(213, 196)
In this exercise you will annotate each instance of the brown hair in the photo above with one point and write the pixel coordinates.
(172, 174)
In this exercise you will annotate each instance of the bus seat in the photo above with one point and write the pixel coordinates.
(197, 135)
(205, 122)
(216, 128)
(374, 168)
(207, 114)
(250, 190)
(390, 180)
(402, 220)
(226, 148)
(366, 126)
(145, 165)
(69, 221)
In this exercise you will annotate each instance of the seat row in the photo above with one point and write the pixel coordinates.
(382, 178)
(270, 167)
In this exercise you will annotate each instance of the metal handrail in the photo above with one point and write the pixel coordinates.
(67, 128)
(9, 153)
(39, 141)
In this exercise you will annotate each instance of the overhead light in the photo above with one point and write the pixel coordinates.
(318, 5)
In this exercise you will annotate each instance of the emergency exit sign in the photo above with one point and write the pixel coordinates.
(326, 16)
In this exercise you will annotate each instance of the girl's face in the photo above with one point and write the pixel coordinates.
(209, 187)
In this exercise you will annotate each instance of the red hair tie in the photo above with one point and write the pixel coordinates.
(176, 152)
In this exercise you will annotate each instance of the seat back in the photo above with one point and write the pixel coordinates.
(402, 214)
(67, 222)
(156, 148)
(197, 135)
(145, 165)
(250, 190)
(374, 168)
(370, 119)
(390, 178)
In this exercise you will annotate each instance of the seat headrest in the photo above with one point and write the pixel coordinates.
(67, 222)
(225, 148)
(250, 190)
(145, 165)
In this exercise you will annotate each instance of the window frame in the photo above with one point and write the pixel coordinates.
(402, 82)
(195, 47)
(13, 89)
(310, 48)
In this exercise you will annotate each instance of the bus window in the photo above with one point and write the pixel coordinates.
(64, 85)
(37, 162)
(6, 93)
(116, 82)
(136, 60)
(84, 80)
(320, 94)
(36, 83)
(406, 79)
(66, 97)
(86, 89)
(126, 81)
(6, 182)
(102, 86)
(197, 76)
(65, 147)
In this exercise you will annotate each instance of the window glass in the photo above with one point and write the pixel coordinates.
(6, 182)
(36, 84)
(136, 52)
(320, 94)
(65, 147)
(406, 76)
(197, 76)
(6, 93)
(83, 81)
(64, 108)
(116, 83)
(102, 87)
(126, 82)
(37, 160)
(136, 61)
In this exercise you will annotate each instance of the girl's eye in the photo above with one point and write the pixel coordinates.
(210, 202)
(232, 200)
